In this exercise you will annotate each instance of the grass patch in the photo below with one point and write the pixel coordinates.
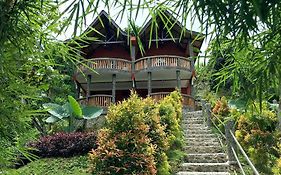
(48, 166)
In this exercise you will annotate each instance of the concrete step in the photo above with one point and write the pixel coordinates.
(202, 139)
(206, 158)
(197, 131)
(194, 124)
(202, 173)
(195, 112)
(193, 117)
(196, 127)
(206, 143)
(200, 135)
(194, 121)
(205, 167)
(203, 149)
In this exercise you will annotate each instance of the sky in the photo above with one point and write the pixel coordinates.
(143, 15)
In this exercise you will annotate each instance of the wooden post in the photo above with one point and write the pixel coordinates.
(78, 90)
(89, 79)
(230, 141)
(149, 83)
(113, 88)
(208, 114)
(191, 54)
(133, 43)
(203, 104)
(178, 80)
(149, 63)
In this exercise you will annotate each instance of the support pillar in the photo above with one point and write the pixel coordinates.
(113, 88)
(78, 90)
(178, 80)
(89, 79)
(208, 114)
(133, 44)
(191, 55)
(149, 83)
(230, 141)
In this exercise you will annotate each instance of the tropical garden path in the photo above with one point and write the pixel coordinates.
(205, 155)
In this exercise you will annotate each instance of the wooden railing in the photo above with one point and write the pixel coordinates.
(187, 100)
(108, 63)
(233, 145)
(97, 100)
(166, 61)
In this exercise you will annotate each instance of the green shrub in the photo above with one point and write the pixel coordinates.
(140, 137)
(255, 131)
(126, 145)
(170, 111)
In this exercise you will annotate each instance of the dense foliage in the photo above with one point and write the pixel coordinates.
(30, 71)
(136, 140)
(255, 129)
(170, 111)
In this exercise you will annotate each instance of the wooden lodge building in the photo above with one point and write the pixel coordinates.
(166, 64)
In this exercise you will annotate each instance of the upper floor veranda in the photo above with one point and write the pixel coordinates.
(164, 49)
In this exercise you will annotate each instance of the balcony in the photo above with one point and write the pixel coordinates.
(108, 64)
(187, 100)
(162, 61)
(97, 100)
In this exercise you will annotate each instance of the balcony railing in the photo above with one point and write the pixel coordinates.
(108, 64)
(187, 100)
(97, 100)
(165, 61)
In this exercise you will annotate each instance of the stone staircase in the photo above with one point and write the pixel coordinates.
(205, 155)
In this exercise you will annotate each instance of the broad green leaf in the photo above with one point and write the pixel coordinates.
(90, 112)
(75, 106)
(56, 110)
(52, 119)
(68, 108)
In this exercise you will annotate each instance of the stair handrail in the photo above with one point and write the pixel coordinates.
(231, 140)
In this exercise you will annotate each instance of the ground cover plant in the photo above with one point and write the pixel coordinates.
(77, 165)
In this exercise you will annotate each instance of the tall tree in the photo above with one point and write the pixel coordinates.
(28, 58)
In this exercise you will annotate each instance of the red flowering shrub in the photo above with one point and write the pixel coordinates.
(64, 144)
(221, 107)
